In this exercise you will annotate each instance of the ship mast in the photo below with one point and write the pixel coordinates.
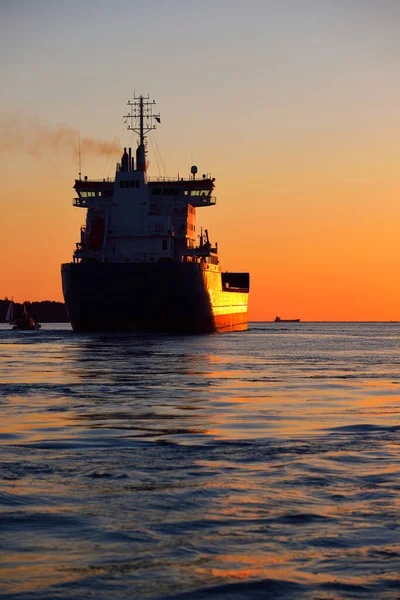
(141, 107)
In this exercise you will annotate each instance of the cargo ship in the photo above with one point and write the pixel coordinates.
(140, 264)
(279, 320)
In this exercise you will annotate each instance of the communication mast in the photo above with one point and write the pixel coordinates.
(141, 108)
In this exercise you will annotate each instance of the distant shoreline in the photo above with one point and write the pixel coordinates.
(51, 311)
(46, 311)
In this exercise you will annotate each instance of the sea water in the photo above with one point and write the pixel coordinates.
(259, 464)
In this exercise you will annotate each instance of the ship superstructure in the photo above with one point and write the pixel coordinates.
(140, 264)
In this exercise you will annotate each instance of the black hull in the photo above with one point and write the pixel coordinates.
(161, 297)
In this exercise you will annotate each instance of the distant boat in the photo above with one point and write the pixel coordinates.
(10, 314)
(25, 323)
(279, 320)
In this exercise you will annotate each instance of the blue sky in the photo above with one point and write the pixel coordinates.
(227, 59)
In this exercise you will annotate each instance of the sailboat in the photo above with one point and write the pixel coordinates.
(10, 314)
(25, 322)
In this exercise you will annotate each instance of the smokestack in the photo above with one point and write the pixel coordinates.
(124, 161)
(130, 160)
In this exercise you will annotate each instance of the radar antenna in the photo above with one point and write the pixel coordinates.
(141, 107)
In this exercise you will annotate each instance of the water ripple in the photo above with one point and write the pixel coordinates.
(255, 465)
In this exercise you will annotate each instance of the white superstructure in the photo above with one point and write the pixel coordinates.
(136, 219)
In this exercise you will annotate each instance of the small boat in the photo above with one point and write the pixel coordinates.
(10, 314)
(25, 323)
(279, 320)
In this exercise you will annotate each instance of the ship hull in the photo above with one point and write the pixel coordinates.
(162, 297)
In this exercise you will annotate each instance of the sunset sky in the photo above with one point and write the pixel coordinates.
(293, 106)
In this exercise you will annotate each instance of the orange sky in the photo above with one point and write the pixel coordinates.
(316, 251)
(298, 120)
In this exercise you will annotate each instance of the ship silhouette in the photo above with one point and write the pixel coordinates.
(139, 263)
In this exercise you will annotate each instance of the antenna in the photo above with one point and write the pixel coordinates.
(141, 107)
(80, 161)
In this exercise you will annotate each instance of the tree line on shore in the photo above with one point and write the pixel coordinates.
(47, 311)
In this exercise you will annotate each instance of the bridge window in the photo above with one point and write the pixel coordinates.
(156, 191)
(199, 193)
(85, 194)
(164, 245)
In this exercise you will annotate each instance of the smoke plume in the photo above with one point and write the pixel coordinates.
(35, 138)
